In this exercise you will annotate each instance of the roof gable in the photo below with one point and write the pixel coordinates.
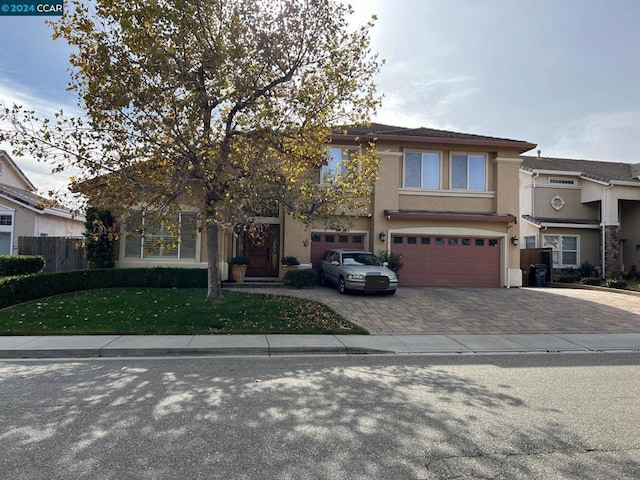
(8, 165)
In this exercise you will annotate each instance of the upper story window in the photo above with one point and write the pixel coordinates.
(337, 160)
(469, 172)
(422, 170)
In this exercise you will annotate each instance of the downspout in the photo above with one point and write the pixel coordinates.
(603, 223)
(533, 189)
(533, 194)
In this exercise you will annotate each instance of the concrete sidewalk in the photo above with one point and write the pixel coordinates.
(90, 346)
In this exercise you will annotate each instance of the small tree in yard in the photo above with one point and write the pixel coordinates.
(225, 103)
(99, 238)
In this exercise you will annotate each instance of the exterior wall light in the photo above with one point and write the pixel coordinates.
(382, 236)
(514, 241)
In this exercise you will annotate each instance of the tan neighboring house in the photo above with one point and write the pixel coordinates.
(447, 201)
(25, 214)
(586, 211)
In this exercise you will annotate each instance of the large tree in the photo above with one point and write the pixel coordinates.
(226, 103)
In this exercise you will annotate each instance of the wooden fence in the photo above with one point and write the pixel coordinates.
(534, 256)
(60, 253)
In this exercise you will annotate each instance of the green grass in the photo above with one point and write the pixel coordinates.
(159, 311)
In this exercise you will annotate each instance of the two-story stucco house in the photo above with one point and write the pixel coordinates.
(586, 211)
(447, 201)
(25, 214)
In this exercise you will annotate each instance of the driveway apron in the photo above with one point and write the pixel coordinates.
(450, 311)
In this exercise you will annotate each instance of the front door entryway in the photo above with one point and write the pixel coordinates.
(262, 250)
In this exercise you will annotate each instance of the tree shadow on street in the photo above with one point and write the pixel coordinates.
(365, 418)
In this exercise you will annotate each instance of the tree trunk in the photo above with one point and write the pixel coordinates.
(214, 286)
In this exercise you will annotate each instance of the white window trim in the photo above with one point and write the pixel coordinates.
(559, 250)
(342, 147)
(404, 168)
(9, 228)
(535, 241)
(468, 154)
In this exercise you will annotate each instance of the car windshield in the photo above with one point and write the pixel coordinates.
(360, 259)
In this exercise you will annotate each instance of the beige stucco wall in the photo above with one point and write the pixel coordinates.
(55, 226)
(295, 240)
(24, 224)
(573, 206)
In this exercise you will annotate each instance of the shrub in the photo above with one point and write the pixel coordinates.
(30, 287)
(100, 236)
(290, 260)
(305, 277)
(20, 264)
(592, 281)
(239, 261)
(393, 259)
(620, 284)
(566, 278)
(586, 269)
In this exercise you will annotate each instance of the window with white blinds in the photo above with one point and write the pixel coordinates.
(147, 237)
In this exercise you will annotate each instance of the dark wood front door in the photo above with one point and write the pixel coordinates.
(262, 252)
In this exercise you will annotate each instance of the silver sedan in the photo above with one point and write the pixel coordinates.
(357, 270)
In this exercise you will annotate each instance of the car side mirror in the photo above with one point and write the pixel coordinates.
(385, 264)
(335, 263)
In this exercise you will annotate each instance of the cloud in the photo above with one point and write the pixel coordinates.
(412, 99)
(599, 136)
(37, 172)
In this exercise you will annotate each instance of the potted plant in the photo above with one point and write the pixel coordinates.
(289, 263)
(238, 268)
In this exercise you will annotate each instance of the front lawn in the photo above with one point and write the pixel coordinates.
(152, 311)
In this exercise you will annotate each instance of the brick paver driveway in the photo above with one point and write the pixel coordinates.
(424, 310)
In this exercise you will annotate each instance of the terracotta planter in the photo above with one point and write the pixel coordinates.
(238, 272)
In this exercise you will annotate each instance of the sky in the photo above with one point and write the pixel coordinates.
(563, 74)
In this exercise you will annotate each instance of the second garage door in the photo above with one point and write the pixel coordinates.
(320, 242)
(448, 261)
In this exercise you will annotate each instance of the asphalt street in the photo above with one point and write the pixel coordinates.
(420, 417)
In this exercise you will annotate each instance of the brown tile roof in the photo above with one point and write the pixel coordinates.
(597, 170)
(390, 132)
(381, 129)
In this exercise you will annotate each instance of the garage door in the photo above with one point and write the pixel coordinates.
(324, 241)
(448, 261)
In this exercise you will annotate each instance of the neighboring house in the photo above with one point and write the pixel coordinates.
(447, 201)
(578, 206)
(25, 214)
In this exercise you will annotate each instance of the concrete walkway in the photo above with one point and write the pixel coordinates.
(414, 321)
(93, 346)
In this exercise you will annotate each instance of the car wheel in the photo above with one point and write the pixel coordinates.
(342, 288)
(321, 279)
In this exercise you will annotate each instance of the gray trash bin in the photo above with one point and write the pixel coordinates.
(540, 274)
